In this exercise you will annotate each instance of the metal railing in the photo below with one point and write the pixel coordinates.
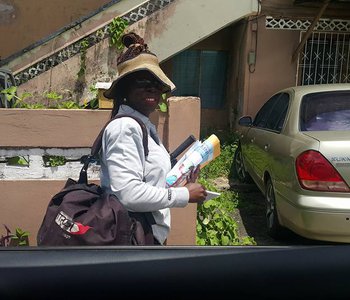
(6, 80)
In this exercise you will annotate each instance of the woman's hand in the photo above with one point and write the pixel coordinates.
(197, 192)
(193, 175)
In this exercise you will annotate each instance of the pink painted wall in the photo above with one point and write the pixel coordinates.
(23, 23)
(23, 202)
(274, 69)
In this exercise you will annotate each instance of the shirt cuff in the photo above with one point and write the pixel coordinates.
(180, 196)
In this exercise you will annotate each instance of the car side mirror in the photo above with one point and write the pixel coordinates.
(245, 121)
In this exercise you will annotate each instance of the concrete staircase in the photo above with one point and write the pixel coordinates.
(168, 26)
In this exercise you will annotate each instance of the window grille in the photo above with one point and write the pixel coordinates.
(325, 59)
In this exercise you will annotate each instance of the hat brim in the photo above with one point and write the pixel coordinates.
(143, 62)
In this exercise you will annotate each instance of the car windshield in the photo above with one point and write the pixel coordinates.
(326, 111)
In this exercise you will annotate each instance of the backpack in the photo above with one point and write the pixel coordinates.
(82, 214)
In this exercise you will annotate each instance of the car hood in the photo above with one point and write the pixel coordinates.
(335, 146)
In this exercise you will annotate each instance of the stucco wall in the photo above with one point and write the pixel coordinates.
(308, 9)
(23, 23)
(236, 81)
(24, 195)
(274, 69)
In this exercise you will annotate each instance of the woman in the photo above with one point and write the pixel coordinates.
(139, 181)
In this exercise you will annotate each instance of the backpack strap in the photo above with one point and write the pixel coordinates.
(98, 144)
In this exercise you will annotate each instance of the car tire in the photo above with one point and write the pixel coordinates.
(274, 228)
(239, 170)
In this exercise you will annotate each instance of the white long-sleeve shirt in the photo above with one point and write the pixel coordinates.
(139, 182)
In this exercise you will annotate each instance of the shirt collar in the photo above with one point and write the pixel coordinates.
(127, 110)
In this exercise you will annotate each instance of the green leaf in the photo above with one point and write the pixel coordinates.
(54, 161)
(11, 90)
(26, 95)
(206, 221)
(225, 240)
(209, 203)
(17, 161)
(163, 107)
(200, 242)
(219, 225)
(214, 241)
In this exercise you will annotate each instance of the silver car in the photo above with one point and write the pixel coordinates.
(297, 151)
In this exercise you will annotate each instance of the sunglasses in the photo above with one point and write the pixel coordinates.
(148, 83)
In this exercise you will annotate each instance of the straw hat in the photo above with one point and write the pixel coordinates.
(137, 58)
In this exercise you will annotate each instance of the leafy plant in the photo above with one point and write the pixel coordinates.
(54, 160)
(93, 103)
(70, 104)
(163, 107)
(215, 223)
(116, 30)
(215, 218)
(33, 106)
(12, 97)
(84, 45)
(93, 90)
(19, 238)
(221, 166)
(100, 33)
(18, 161)
(52, 95)
(53, 98)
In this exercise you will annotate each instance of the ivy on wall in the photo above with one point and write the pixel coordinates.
(116, 30)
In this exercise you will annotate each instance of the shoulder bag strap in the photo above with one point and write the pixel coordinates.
(98, 144)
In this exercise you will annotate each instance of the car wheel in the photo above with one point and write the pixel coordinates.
(238, 167)
(274, 229)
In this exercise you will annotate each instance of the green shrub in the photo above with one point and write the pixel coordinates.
(216, 225)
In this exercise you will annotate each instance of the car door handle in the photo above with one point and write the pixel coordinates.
(266, 147)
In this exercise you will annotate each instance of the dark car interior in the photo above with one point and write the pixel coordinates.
(175, 272)
(318, 109)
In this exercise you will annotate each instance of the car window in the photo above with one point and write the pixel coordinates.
(263, 114)
(272, 114)
(325, 111)
(278, 113)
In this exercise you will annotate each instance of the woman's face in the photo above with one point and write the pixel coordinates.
(143, 92)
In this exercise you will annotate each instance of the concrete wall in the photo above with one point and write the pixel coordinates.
(209, 29)
(26, 191)
(101, 66)
(309, 9)
(236, 81)
(273, 70)
(23, 23)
